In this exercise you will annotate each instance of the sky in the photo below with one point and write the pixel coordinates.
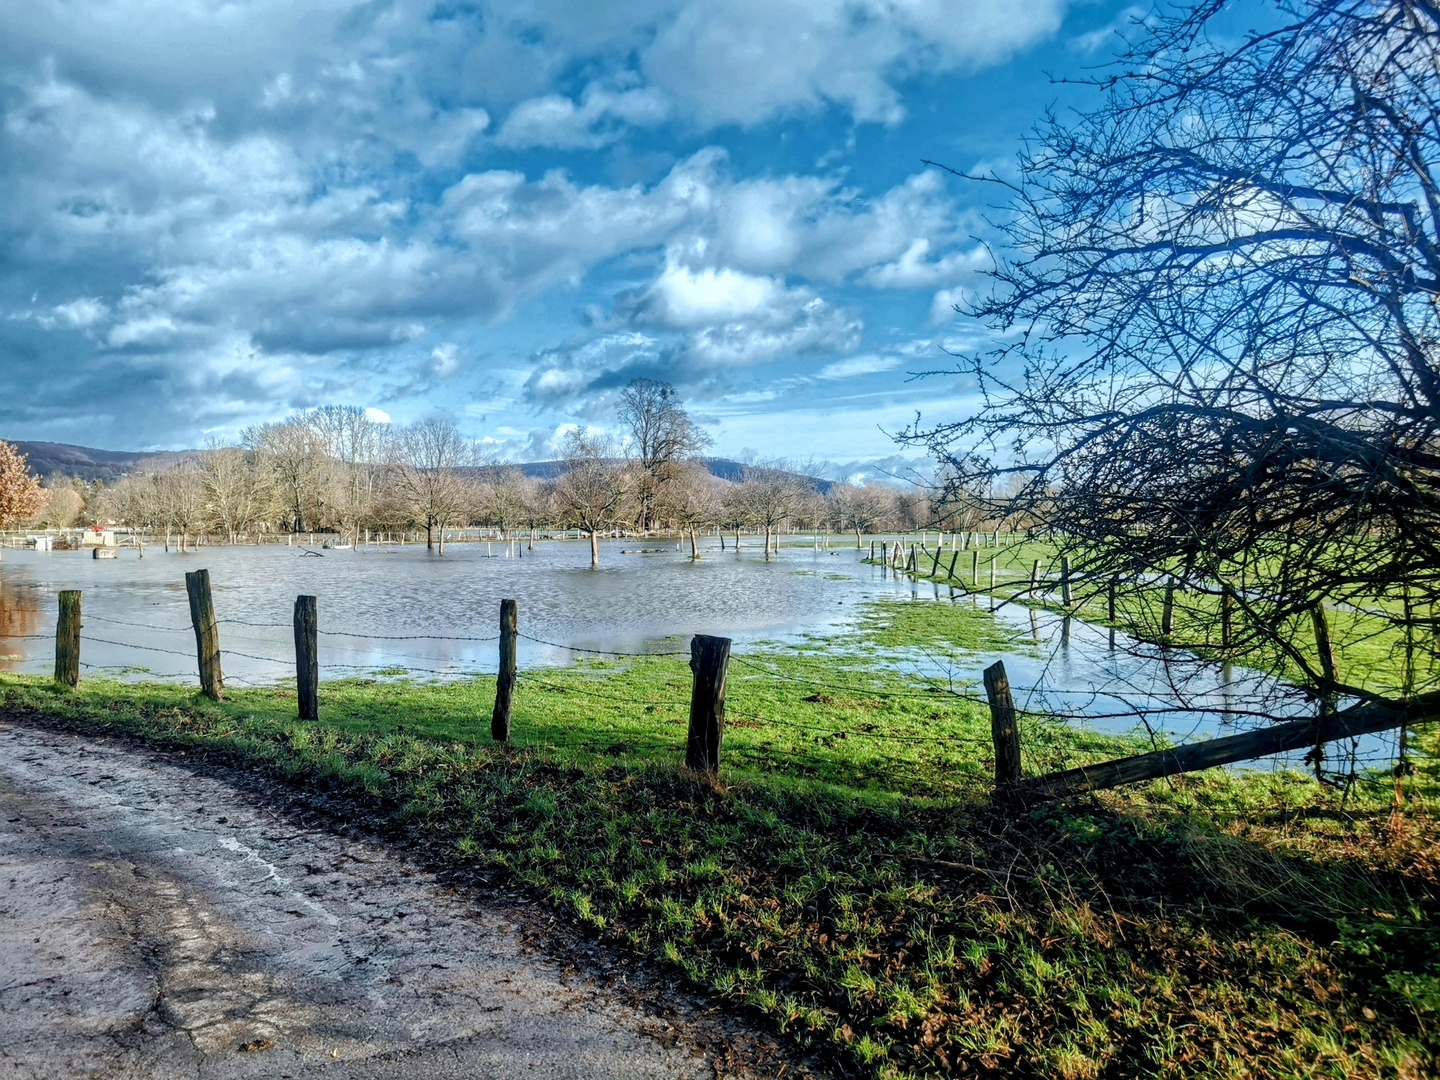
(216, 212)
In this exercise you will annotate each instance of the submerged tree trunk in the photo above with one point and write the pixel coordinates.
(532, 539)
(429, 536)
(767, 543)
(594, 549)
(694, 547)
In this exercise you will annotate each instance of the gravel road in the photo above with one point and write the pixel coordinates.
(156, 922)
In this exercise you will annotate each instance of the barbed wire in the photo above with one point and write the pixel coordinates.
(597, 652)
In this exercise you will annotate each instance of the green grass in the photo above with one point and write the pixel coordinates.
(848, 878)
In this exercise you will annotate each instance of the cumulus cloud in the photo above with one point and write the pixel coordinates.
(251, 206)
(600, 118)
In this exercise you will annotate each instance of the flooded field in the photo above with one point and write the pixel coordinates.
(403, 610)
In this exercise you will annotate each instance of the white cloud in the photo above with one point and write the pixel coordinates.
(857, 365)
(379, 416)
(598, 120)
(747, 60)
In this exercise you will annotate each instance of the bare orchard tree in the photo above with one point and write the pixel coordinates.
(503, 495)
(235, 494)
(357, 450)
(662, 435)
(770, 496)
(692, 499)
(593, 492)
(426, 475)
(291, 457)
(863, 508)
(1224, 357)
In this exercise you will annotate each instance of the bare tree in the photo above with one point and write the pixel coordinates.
(292, 456)
(426, 477)
(770, 496)
(592, 494)
(356, 447)
(692, 499)
(663, 435)
(864, 508)
(1223, 324)
(235, 495)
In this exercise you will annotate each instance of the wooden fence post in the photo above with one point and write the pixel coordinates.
(1167, 609)
(1110, 608)
(1227, 603)
(207, 634)
(67, 639)
(1003, 728)
(710, 661)
(954, 555)
(992, 577)
(1065, 580)
(935, 564)
(307, 657)
(505, 677)
(975, 568)
(1034, 577)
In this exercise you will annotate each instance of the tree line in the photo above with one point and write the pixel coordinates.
(335, 470)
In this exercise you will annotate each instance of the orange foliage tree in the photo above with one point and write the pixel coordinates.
(21, 496)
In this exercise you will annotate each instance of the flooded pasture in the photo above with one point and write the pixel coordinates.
(404, 610)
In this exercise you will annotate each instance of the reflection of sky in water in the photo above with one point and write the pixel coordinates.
(378, 604)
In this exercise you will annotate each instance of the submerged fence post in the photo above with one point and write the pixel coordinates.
(710, 661)
(67, 639)
(1065, 580)
(1167, 608)
(1003, 728)
(1034, 577)
(307, 657)
(207, 634)
(505, 676)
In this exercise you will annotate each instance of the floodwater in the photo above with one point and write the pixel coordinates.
(403, 609)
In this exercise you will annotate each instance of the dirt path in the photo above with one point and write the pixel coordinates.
(159, 923)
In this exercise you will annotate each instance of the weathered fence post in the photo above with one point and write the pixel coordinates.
(872, 550)
(1227, 603)
(1034, 577)
(1110, 608)
(307, 657)
(1003, 728)
(975, 568)
(710, 661)
(935, 564)
(1065, 580)
(505, 677)
(67, 639)
(207, 634)
(1167, 608)
(954, 556)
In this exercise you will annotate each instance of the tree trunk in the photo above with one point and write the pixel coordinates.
(694, 546)
(442, 539)
(767, 543)
(857, 538)
(429, 537)
(594, 549)
(532, 539)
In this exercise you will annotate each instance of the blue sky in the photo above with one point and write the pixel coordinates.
(212, 214)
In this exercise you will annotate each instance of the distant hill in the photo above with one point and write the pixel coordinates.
(90, 464)
(85, 462)
(724, 468)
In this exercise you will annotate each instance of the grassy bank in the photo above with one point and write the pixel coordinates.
(848, 878)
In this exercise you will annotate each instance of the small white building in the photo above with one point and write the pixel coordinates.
(97, 538)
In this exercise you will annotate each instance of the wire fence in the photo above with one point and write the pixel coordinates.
(922, 755)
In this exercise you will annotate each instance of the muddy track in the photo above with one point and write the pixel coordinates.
(160, 921)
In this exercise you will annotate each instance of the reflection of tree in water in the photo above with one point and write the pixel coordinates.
(19, 617)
